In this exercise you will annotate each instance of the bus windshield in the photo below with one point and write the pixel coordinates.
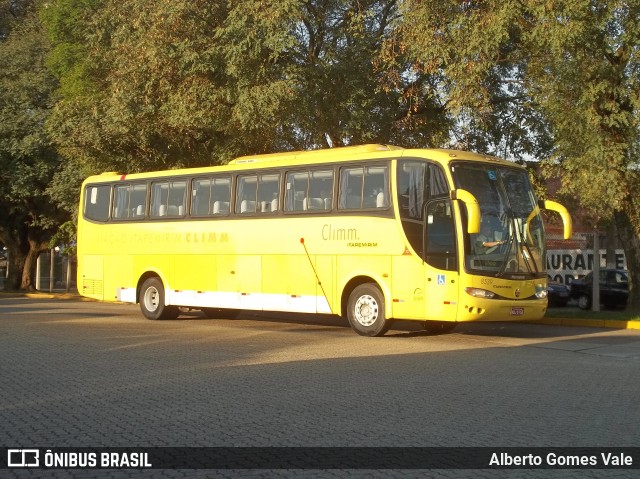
(511, 238)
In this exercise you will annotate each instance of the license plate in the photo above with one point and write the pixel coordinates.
(517, 311)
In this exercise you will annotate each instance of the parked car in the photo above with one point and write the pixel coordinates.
(614, 289)
(557, 294)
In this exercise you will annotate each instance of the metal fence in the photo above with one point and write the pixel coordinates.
(56, 272)
(574, 258)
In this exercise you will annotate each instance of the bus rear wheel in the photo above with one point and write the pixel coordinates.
(152, 301)
(365, 311)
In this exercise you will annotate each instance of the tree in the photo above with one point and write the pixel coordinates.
(198, 82)
(575, 63)
(28, 160)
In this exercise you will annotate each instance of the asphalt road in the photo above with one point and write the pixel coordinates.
(85, 374)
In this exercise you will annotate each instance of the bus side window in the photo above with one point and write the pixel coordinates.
(268, 193)
(221, 196)
(96, 202)
(297, 185)
(159, 199)
(364, 187)
(168, 198)
(321, 189)
(246, 194)
(120, 202)
(177, 200)
(351, 188)
(375, 189)
(138, 200)
(201, 197)
(210, 196)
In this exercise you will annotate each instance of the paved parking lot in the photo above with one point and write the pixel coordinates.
(84, 374)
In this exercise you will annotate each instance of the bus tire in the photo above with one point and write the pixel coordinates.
(365, 311)
(439, 327)
(152, 301)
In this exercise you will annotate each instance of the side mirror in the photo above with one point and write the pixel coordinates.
(564, 214)
(473, 209)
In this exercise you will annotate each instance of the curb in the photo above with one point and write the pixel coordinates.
(591, 323)
(43, 295)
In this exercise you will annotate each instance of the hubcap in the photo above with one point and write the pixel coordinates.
(151, 299)
(366, 310)
(583, 302)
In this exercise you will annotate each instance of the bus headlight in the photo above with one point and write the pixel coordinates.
(541, 291)
(480, 293)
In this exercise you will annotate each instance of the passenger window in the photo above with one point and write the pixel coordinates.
(364, 187)
(309, 191)
(246, 196)
(96, 202)
(297, 185)
(210, 196)
(138, 200)
(201, 197)
(168, 199)
(129, 201)
(257, 194)
(268, 193)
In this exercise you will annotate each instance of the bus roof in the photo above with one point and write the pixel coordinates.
(328, 155)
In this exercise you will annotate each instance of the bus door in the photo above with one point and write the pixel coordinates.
(440, 256)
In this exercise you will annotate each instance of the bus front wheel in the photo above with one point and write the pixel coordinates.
(152, 301)
(365, 311)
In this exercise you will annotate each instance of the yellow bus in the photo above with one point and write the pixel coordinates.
(373, 233)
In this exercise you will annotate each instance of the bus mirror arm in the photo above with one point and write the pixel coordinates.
(473, 209)
(564, 214)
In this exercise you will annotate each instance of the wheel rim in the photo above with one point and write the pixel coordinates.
(583, 302)
(366, 310)
(151, 299)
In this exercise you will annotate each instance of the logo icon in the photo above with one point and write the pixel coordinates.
(517, 293)
(23, 457)
(441, 279)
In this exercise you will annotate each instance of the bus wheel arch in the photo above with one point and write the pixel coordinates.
(364, 306)
(151, 296)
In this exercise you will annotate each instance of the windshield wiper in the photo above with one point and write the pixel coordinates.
(506, 255)
(528, 260)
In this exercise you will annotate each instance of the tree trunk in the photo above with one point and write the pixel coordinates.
(611, 245)
(29, 267)
(15, 265)
(630, 238)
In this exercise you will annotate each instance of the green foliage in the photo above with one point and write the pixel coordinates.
(65, 238)
(565, 69)
(198, 82)
(28, 160)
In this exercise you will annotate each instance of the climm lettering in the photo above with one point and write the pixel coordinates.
(331, 233)
(210, 237)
